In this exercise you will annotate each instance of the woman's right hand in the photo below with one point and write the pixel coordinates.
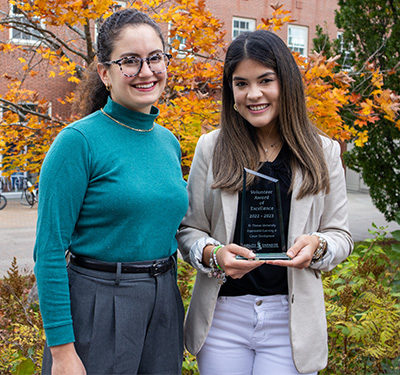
(66, 361)
(235, 268)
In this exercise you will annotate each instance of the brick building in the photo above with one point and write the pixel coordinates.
(51, 88)
(240, 15)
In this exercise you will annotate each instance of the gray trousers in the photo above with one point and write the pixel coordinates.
(125, 323)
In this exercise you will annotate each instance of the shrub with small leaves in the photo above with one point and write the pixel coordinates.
(363, 310)
(186, 277)
(21, 329)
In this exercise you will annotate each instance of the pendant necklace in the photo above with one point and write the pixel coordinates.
(274, 151)
(266, 149)
(126, 126)
(271, 146)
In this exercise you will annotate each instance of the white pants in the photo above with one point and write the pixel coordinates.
(249, 336)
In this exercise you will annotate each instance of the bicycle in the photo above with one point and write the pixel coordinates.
(3, 199)
(29, 193)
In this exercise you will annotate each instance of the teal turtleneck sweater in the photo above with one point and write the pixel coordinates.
(109, 193)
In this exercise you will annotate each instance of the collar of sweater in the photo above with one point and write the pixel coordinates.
(133, 119)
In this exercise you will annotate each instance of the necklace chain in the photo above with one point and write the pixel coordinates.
(273, 144)
(266, 149)
(274, 152)
(129, 127)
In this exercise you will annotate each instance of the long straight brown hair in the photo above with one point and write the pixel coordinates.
(237, 146)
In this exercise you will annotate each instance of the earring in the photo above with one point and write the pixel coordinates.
(108, 87)
(235, 107)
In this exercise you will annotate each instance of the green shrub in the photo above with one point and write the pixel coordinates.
(186, 277)
(363, 310)
(21, 329)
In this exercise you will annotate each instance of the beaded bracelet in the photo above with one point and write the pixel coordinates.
(214, 255)
(216, 269)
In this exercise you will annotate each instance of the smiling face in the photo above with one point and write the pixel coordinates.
(256, 93)
(138, 93)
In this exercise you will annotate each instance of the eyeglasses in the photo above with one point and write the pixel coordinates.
(131, 66)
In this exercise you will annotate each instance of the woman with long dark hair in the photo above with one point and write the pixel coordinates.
(250, 316)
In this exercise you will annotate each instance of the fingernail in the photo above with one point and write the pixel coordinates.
(251, 254)
(290, 254)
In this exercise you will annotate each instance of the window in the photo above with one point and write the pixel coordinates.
(181, 48)
(298, 39)
(182, 43)
(240, 25)
(346, 51)
(20, 33)
(28, 107)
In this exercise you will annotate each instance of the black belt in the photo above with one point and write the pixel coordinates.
(157, 268)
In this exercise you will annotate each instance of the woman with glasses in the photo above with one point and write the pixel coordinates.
(112, 195)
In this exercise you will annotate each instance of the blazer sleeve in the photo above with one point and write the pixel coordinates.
(195, 229)
(333, 223)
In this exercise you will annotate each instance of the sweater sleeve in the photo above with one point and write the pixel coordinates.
(63, 182)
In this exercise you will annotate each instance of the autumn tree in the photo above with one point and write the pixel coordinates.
(63, 43)
(372, 32)
(64, 33)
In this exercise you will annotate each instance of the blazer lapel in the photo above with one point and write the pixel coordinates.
(230, 208)
(299, 211)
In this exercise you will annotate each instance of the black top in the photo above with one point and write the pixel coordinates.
(265, 280)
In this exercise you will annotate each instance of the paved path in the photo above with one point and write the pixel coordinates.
(18, 222)
(17, 235)
(362, 213)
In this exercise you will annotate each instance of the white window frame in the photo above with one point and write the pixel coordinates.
(240, 25)
(22, 38)
(346, 52)
(29, 106)
(182, 49)
(297, 39)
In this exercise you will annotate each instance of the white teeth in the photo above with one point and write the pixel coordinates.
(147, 86)
(258, 107)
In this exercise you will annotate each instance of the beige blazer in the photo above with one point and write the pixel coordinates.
(212, 213)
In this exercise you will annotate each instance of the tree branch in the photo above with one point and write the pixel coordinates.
(20, 110)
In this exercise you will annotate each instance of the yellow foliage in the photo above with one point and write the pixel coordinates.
(362, 137)
(190, 104)
(7, 47)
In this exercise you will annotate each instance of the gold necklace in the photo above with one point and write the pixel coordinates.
(120, 123)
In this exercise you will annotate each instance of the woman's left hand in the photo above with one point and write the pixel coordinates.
(301, 253)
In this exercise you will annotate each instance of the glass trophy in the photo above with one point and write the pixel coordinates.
(262, 229)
